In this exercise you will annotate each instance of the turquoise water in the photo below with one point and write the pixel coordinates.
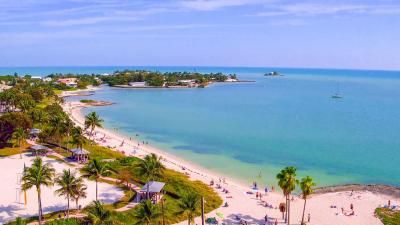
(243, 129)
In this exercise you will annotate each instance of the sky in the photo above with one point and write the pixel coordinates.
(355, 34)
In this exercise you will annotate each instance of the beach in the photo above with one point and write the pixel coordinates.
(12, 204)
(323, 208)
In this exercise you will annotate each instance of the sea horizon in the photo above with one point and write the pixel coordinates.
(47, 70)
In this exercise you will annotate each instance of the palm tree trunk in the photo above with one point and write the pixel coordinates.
(39, 206)
(67, 205)
(288, 217)
(96, 189)
(304, 210)
(286, 208)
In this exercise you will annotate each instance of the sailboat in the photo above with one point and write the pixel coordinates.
(337, 94)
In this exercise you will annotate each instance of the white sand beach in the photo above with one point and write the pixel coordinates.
(324, 209)
(12, 198)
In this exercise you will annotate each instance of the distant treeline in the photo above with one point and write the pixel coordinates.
(159, 79)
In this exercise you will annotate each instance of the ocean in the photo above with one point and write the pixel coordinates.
(249, 131)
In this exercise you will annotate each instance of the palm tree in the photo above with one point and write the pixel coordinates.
(35, 176)
(68, 183)
(147, 213)
(77, 137)
(287, 182)
(57, 127)
(98, 215)
(96, 169)
(92, 120)
(19, 136)
(20, 221)
(150, 168)
(79, 191)
(306, 185)
(189, 205)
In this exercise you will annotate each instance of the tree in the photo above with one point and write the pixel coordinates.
(189, 205)
(10, 121)
(147, 213)
(79, 191)
(68, 182)
(77, 137)
(306, 185)
(38, 175)
(150, 168)
(96, 169)
(287, 182)
(19, 137)
(124, 177)
(92, 120)
(98, 215)
(20, 221)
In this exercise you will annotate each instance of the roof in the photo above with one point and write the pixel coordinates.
(39, 147)
(79, 151)
(154, 187)
(34, 131)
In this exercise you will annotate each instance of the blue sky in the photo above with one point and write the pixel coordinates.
(279, 33)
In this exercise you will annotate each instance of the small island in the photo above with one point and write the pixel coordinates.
(90, 102)
(273, 74)
(149, 79)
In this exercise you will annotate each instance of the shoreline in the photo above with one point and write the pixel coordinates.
(319, 205)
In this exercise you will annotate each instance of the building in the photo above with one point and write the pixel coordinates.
(189, 83)
(137, 84)
(46, 79)
(70, 82)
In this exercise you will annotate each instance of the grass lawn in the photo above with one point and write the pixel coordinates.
(387, 216)
(8, 151)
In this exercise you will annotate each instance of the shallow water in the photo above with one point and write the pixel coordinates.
(246, 129)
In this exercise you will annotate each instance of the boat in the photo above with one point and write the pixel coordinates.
(337, 94)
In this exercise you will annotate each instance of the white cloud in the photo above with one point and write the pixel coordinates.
(209, 5)
(308, 9)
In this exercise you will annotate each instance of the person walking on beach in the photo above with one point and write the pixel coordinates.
(266, 218)
(309, 218)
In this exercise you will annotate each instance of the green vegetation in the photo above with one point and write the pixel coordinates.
(33, 104)
(38, 175)
(158, 79)
(388, 216)
(287, 182)
(87, 101)
(96, 169)
(68, 183)
(306, 185)
(4, 152)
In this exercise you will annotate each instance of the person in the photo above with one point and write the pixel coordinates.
(276, 221)
(309, 218)
(388, 203)
(351, 206)
(256, 195)
(266, 218)
(266, 190)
